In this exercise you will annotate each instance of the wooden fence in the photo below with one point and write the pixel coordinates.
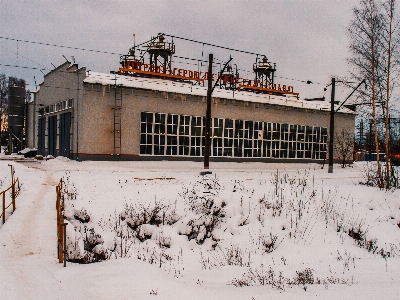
(15, 188)
(60, 221)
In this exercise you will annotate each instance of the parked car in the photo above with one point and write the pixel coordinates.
(28, 152)
(395, 159)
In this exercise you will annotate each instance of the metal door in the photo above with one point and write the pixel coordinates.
(52, 137)
(65, 133)
(41, 136)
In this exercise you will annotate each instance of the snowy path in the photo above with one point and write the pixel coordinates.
(31, 240)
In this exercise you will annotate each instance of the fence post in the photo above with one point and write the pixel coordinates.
(4, 207)
(58, 223)
(65, 243)
(60, 227)
(13, 195)
(12, 186)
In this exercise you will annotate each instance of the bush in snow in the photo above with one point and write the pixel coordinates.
(82, 215)
(260, 276)
(256, 277)
(233, 256)
(385, 180)
(358, 235)
(206, 210)
(84, 245)
(137, 214)
(202, 225)
(268, 243)
(144, 232)
(265, 243)
(304, 277)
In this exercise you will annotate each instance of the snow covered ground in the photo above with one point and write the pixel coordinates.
(246, 231)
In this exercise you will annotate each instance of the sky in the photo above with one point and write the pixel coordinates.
(307, 39)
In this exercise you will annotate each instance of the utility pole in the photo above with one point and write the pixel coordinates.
(208, 114)
(332, 126)
(332, 119)
(207, 146)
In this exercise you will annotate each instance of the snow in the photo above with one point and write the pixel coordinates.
(209, 232)
(197, 90)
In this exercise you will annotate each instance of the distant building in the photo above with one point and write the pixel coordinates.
(85, 115)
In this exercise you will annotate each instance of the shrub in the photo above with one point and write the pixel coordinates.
(207, 211)
(304, 277)
(137, 214)
(82, 215)
(256, 277)
(358, 235)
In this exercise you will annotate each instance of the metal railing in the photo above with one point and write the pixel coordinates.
(15, 188)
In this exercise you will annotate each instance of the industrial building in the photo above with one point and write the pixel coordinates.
(151, 110)
(16, 114)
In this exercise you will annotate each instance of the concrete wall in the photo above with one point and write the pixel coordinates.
(93, 116)
(97, 115)
(61, 84)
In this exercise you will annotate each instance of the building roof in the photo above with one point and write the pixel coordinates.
(187, 88)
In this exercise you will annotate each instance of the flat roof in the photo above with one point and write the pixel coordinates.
(187, 88)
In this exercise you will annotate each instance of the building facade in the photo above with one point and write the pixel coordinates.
(85, 115)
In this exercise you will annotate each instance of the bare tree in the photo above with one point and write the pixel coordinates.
(3, 102)
(391, 42)
(374, 48)
(344, 142)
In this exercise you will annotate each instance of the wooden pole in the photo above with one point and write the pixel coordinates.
(59, 222)
(331, 127)
(64, 225)
(208, 115)
(4, 207)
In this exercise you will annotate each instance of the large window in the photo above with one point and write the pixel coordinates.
(159, 133)
(216, 137)
(146, 134)
(228, 137)
(184, 135)
(172, 134)
(196, 138)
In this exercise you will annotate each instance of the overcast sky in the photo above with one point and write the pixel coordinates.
(307, 39)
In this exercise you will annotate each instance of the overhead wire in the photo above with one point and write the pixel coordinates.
(60, 46)
(24, 57)
(213, 45)
(136, 46)
(23, 67)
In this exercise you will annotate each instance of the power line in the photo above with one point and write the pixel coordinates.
(213, 45)
(23, 67)
(24, 57)
(114, 53)
(60, 46)
(243, 70)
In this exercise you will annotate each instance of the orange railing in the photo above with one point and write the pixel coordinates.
(15, 188)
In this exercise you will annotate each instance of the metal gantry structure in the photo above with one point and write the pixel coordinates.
(153, 58)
